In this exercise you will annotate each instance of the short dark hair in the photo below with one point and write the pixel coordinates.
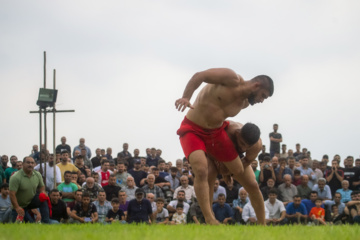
(180, 205)
(181, 191)
(266, 82)
(115, 200)
(160, 200)
(79, 157)
(314, 192)
(161, 161)
(174, 169)
(67, 172)
(296, 196)
(86, 194)
(54, 190)
(4, 186)
(104, 161)
(272, 191)
(221, 195)
(250, 133)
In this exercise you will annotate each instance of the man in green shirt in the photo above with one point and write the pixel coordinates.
(67, 188)
(10, 170)
(25, 186)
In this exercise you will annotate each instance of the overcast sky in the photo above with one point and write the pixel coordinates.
(122, 64)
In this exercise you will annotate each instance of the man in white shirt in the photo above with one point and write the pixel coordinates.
(50, 172)
(217, 190)
(249, 216)
(189, 190)
(276, 209)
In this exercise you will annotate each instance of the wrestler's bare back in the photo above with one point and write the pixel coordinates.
(216, 102)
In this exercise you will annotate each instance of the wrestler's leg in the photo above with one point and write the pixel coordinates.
(247, 179)
(199, 165)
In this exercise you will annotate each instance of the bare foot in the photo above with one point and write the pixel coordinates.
(213, 222)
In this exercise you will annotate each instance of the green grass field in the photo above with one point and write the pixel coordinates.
(128, 232)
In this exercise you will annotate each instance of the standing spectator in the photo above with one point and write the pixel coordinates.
(24, 187)
(115, 214)
(91, 188)
(35, 154)
(345, 191)
(132, 160)
(63, 146)
(137, 173)
(87, 161)
(249, 216)
(9, 171)
(96, 161)
(65, 165)
(4, 162)
(102, 206)
(303, 189)
(317, 213)
(179, 217)
(130, 188)
(266, 171)
(124, 155)
(297, 152)
(5, 204)
(322, 189)
(67, 188)
(282, 170)
(85, 211)
(238, 205)
(50, 172)
(283, 153)
(79, 163)
(277, 211)
(296, 211)
(152, 160)
(139, 209)
(189, 190)
(111, 189)
(334, 177)
(121, 174)
(108, 153)
(223, 212)
(58, 208)
(291, 164)
(275, 140)
(217, 190)
(150, 187)
(263, 154)
(82, 145)
(305, 170)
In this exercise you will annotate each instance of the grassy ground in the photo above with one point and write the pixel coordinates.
(185, 232)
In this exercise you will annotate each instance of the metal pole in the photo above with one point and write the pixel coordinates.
(54, 111)
(40, 121)
(45, 130)
(44, 69)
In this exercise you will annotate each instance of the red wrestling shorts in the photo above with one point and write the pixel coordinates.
(214, 142)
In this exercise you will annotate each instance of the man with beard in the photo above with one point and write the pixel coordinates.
(111, 189)
(139, 209)
(138, 175)
(81, 146)
(202, 132)
(63, 146)
(49, 165)
(9, 171)
(58, 207)
(275, 140)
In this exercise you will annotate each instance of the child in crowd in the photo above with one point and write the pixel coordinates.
(161, 213)
(115, 214)
(317, 213)
(179, 217)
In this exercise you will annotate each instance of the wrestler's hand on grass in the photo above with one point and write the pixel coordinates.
(183, 103)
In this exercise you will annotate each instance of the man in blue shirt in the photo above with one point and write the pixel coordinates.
(310, 203)
(296, 211)
(223, 212)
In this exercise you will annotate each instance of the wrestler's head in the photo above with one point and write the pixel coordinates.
(247, 136)
(263, 87)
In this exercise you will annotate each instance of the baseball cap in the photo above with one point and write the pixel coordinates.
(139, 190)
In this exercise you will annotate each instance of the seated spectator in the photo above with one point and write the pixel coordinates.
(323, 190)
(270, 185)
(94, 175)
(92, 188)
(115, 214)
(81, 179)
(189, 190)
(173, 179)
(310, 203)
(189, 176)
(317, 213)
(196, 213)
(151, 198)
(180, 198)
(232, 192)
(217, 190)
(67, 188)
(85, 211)
(223, 212)
(5, 204)
(160, 181)
(296, 211)
(352, 208)
(336, 217)
(104, 172)
(121, 174)
(124, 203)
(130, 188)
(70, 206)
(238, 205)
(179, 217)
(102, 206)
(345, 191)
(161, 214)
(138, 175)
(139, 209)
(58, 207)
(305, 170)
(150, 187)
(112, 190)
(337, 201)
(287, 190)
(297, 178)
(79, 163)
(162, 168)
(281, 171)
(303, 189)
(249, 216)
(277, 211)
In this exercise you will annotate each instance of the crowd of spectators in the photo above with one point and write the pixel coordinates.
(130, 188)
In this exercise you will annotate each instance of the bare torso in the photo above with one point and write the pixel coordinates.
(216, 102)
